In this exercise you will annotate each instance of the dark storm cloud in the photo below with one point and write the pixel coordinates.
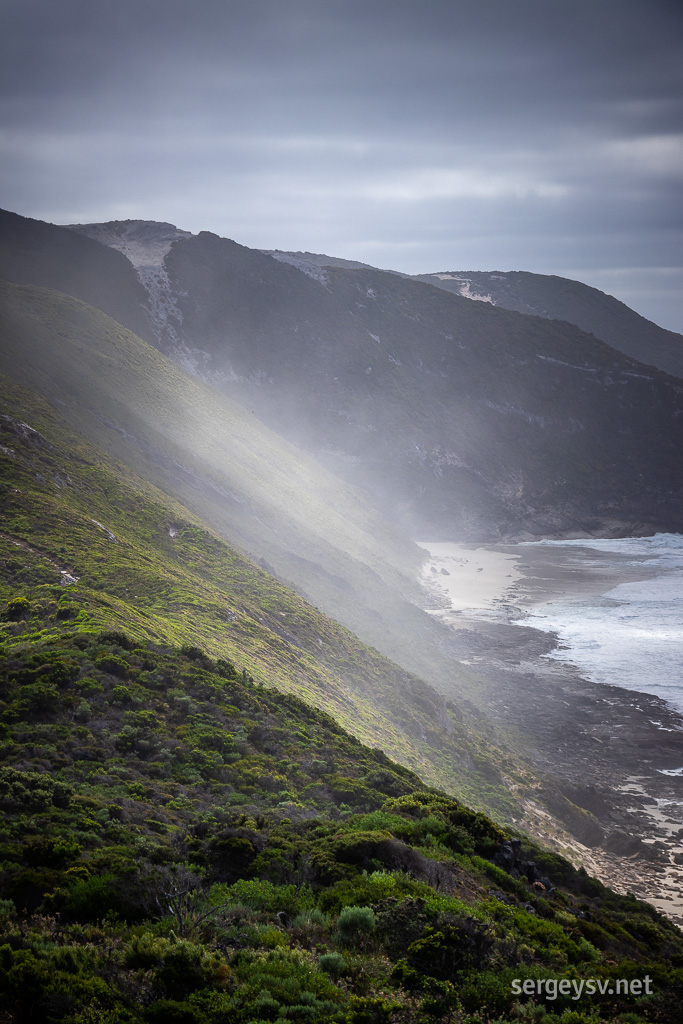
(536, 134)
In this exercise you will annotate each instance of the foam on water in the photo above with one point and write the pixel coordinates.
(631, 636)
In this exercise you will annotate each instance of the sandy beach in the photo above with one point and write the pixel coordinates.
(611, 755)
(468, 577)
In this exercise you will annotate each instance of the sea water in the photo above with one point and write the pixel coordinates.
(631, 636)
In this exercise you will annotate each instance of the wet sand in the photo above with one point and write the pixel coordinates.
(607, 802)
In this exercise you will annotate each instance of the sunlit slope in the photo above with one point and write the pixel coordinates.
(134, 559)
(128, 387)
(254, 488)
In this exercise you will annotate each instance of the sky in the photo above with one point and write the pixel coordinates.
(541, 135)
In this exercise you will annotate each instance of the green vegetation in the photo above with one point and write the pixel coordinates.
(198, 824)
(199, 846)
(142, 562)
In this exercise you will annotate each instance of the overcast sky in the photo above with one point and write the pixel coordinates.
(542, 135)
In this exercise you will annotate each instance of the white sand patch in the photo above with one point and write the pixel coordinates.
(469, 577)
(465, 288)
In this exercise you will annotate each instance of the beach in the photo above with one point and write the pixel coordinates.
(614, 797)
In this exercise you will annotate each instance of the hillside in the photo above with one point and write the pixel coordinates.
(141, 561)
(183, 829)
(462, 419)
(545, 295)
(182, 842)
(308, 530)
(202, 820)
(32, 252)
(558, 298)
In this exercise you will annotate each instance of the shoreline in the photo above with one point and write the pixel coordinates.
(481, 578)
(604, 749)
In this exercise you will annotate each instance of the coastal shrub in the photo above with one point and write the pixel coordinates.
(89, 687)
(333, 964)
(91, 898)
(115, 638)
(67, 610)
(366, 889)
(16, 609)
(400, 924)
(265, 896)
(226, 669)
(83, 712)
(113, 665)
(186, 966)
(170, 1011)
(47, 667)
(355, 925)
(37, 699)
(455, 947)
(288, 977)
(369, 1010)
(34, 791)
(195, 654)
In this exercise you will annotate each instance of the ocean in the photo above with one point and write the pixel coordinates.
(632, 635)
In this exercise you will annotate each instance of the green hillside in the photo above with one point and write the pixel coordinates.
(144, 563)
(255, 489)
(181, 842)
(198, 823)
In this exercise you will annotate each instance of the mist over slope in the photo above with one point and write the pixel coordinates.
(276, 504)
(461, 418)
(119, 552)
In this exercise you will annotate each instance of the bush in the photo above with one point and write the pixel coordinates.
(168, 1011)
(226, 669)
(67, 610)
(37, 699)
(457, 946)
(114, 637)
(333, 964)
(113, 665)
(264, 896)
(36, 791)
(91, 898)
(186, 966)
(370, 1011)
(355, 925)
(18, 608)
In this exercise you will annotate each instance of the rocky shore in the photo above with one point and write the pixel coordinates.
(614, 795)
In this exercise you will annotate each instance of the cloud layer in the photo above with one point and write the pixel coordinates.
(544, 135)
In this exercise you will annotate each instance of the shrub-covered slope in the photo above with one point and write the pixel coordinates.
(259, 492)
(134, 558)
(183, 843)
